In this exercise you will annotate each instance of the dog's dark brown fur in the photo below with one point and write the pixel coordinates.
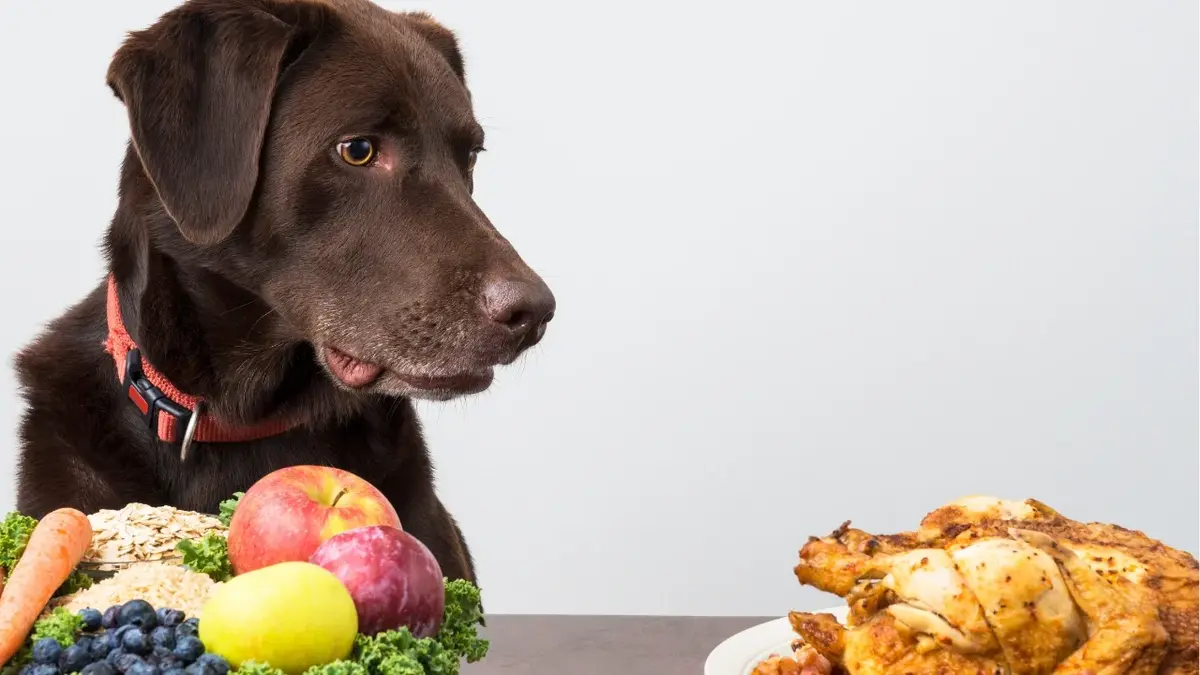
(244, 245)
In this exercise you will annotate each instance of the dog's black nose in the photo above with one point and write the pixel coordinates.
(522, 307)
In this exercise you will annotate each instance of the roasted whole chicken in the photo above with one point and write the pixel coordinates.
(993, 587)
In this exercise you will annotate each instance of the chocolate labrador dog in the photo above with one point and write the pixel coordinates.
(296, 256)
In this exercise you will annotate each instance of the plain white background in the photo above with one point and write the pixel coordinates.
(815, 261)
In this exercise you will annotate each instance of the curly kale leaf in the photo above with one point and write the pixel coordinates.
(399, 652)
(15, 530)
(459, 633)
(78, 581)
(337, 668)
(208, 555)
(256, 668)
(227, 507)
(62, 625)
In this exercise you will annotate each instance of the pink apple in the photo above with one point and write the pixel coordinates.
(395, 581)
(288, 513)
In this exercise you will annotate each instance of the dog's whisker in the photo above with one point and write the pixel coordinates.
(254, 325)
(231, 310)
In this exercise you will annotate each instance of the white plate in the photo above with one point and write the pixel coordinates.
(740, 654)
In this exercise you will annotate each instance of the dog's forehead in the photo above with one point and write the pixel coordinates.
(379, 68)
(391, 40)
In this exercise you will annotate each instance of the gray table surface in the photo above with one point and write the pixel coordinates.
(603, 645)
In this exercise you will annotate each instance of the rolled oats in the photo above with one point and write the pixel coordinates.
(139, 532)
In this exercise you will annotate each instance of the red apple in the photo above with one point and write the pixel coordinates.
(287, 514)
(395, 581)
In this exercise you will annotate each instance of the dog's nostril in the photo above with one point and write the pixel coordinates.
(518, 305)
(519, 318)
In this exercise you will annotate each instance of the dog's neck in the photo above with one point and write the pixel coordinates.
(205, 332)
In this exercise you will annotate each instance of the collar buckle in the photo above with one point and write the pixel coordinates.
(150, 400)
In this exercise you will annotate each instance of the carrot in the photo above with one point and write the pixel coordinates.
(54, 550)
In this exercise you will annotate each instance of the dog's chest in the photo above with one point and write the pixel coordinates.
(213, 472)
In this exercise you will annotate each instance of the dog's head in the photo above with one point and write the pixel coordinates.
(320, 154)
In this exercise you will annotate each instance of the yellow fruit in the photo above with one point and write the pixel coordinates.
(292, 615)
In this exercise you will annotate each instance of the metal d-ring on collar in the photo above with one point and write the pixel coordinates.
(190, 432)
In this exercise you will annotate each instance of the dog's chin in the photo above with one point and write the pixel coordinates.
(435, 388)
(352, 374)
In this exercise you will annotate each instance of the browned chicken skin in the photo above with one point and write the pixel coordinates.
(993, 587)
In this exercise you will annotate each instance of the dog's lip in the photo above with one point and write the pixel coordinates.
(352, 372)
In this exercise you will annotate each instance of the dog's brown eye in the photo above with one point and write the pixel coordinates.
(472, 158)
(357, 151)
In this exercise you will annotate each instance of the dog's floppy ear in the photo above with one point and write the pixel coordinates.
(440, 37)
(198, 87)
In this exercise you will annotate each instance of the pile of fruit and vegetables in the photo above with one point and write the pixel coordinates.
(309, 572)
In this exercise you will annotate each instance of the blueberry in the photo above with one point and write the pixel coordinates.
(73, 659)
(43, 669)
(99, 648)
(98, 668)
(110, 616)
(174, 670)
(111, 658)
(135, 642)
(219, 665)
(127, 661)
(91, 619)
(137, 613)
(46, 651)
(170, 617)
(189, 627)
(162, 637)
(142, 668)
(199, 669)
(188, 648)
(121, 631)
(25, 669)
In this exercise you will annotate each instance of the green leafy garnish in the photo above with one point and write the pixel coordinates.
(78, 581)
(210, 554)
(227, 507)
(337, 668)
(62, 625)
(399, 652)
(207, 555)
(15, 530)
(256, 668)
(459, 633)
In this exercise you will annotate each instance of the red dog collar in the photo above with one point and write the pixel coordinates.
(175, 416)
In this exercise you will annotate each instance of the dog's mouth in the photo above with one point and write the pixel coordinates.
(355, 373)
